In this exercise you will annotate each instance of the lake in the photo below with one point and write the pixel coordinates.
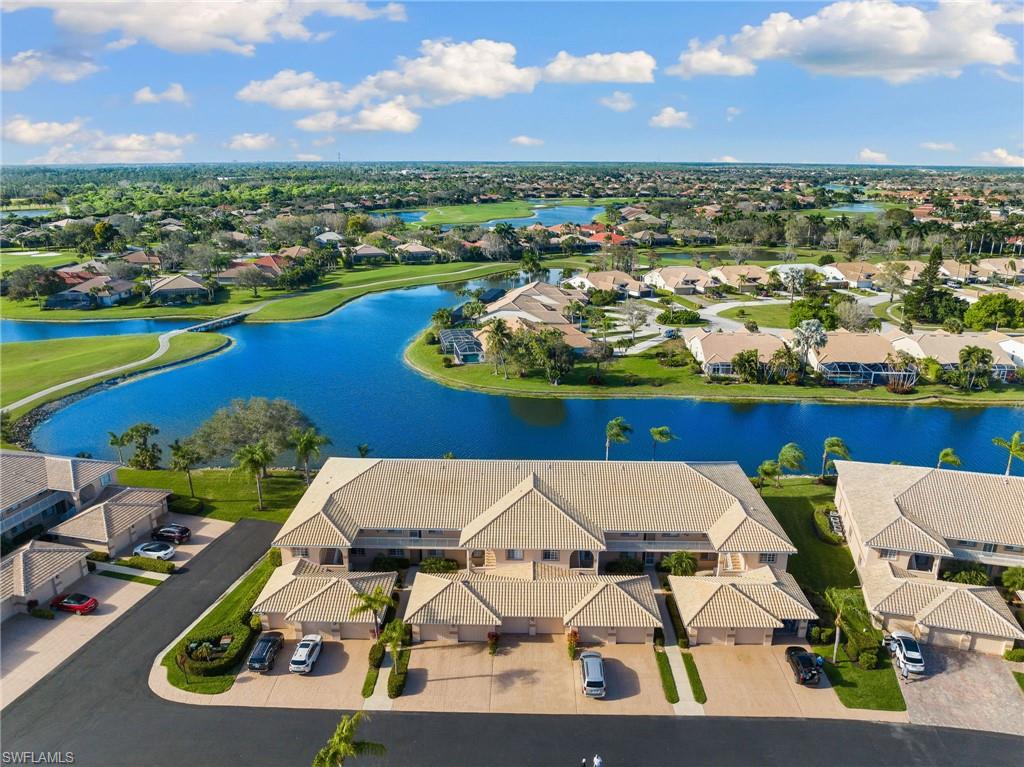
(858, 207)
(26, 213)
(546, 216)
(346, 372)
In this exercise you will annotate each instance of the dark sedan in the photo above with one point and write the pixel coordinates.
(262, 656)
(804, 665)
(172, 534)
(79, 604)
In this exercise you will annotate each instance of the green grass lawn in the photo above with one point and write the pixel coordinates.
(877, 689)
(766, 316)
(229, 301)
(238, 600)
(818, 564)
(127, 577)
(29, 366)
(15, 259)
(476, 213)
(223, 493)
(1019, 676)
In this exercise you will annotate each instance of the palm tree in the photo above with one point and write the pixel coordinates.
(661, 434)
(307, 443)
(948, 456)
(376, 602)
(364, 450)
(791, 457)
(253, 459)
(768, 469)
(119, 441)
(834, 446)
(809, 336)
(1015, 447)
(183, 457)
(498, 336)
(680, 563)
(343, 744)
(394, 635)
(616, 431)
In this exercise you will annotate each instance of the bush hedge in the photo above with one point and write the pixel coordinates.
(396, 679)
(98, 556)
(241, 636)
(376, 654)
(42, 612)
(693, 675)
(668, 682)
(1015, 655)
(274, 556)
(677, 623)
(626, 566)
(383, 564)
(370, 683)
(151, 565)
(823, 529)
(438, 565)
(678, 317)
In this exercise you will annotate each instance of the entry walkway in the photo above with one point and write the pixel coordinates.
(686, 706)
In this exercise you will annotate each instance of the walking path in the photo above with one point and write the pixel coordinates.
(686, 706)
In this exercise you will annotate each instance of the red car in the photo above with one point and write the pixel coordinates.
(80, 604)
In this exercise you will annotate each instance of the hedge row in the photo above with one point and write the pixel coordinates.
(693, 675)
(1015, 655)
(823, 529)
(668, 682)
(370, 683)
(396, 679)
(242, 635)
(682, 639)
(151, 565)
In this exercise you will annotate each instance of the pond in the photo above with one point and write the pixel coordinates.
(26, 213)
(546, 215)
(346, 372)
(858, 207)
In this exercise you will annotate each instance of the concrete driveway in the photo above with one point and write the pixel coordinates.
(751, 680)
(33, 647)
(204, 532)
(967, 690)
(528, 675)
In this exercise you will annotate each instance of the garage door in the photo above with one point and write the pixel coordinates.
(356, 631)
(592, 634)
(631, 636)
(432, 631)
(947, 639)
(989, 645)
(550, 626)
(750, 636)
(515, 626)
(712, 636)
(473, 633)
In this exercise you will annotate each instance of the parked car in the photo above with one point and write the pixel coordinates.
(156, 550)
(804, 665)
(79, 604)
(306, 653)
(670, 333)
(262, 656)
(172, 534)
(592, 673)
(906, 650)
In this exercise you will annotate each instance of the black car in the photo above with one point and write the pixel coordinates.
(804, 665)
(262, 656)
(172, 534)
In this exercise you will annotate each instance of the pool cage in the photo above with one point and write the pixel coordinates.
(462, 345)
(868, 373)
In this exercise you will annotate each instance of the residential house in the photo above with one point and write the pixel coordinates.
(746, 278)
(463, 344)
(273, 265)
(329, 238)
(962, 273)
(715, 351)
(1012, 345)
(945, 349)
(94, 292)
(36, 573)
(913, 270)
(120, 518)
(651, 239)
(681, 280)
(611, 280)
(147, 259)
(608, 239)
(294, 252)
(177, 287)
(1001, 269)
(363, 254)
(86, 269)
(852, 274)
(537, 306)
(415, 253)
(555, 521)
(908, 524)
(851, 359)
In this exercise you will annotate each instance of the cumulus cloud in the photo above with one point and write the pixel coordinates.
(893, 41)
(633, 67)
(938, 146)
(301, 157)
(24, 68)
(102, 148)
(236, 26)
(393, 116)
(526, 141)
(1001, 156)
(724, 158)
(619, 101)
(174, 94)
(22, 130)
(670, 117)
(289, 89)
(731, 113)
(251, 142)
(871, 156)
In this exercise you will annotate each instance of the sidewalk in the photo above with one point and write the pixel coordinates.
(686, 706)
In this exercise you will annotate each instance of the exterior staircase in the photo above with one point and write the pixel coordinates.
(731, 563)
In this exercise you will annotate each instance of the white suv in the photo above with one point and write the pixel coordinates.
(907, 651)
(306, 653)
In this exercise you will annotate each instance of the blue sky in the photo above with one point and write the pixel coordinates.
(858, 81)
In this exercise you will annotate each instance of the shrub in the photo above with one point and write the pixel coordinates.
(376, 655)
(678, 317)
(966, 572)
(571, 640)
(241, 636)
(430, 337)
(42, 612)
(383, 564)
(625, 566)
(826, 259)
(1013, 578)
(815, 635)
(370, 683)
(446, 362)
(1015, 655)
(751, 326)
(827, 634)
(682, 639)
(868, 659)
(396, 679)
(694, 676)
(151, 565)
(668, 682)
(823, 529)
(438, 565)
(255, 623)
(185, 504)
(98, 556)
(492, 642)
(275, 557)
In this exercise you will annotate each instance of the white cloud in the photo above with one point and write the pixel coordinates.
(236, 26)
(619, 101)
(724, 158)
(21, 130)
(174, 94)
(731, 113)
(710, 60)
(323, 141)
(526, 141)
(897, 42)
(24, 68)
(102, 148)
(670, 118)
(251, 142)
(308, 157)
(289, 89)
(392, 116)
(873, 157)
(938, 146)
(1001, 156)
(633, 67)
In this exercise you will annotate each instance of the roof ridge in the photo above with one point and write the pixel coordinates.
(968, 589)
(318, 593)
(731, 588)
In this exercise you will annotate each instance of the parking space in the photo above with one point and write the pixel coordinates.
(32, 647)
(204, 532)
(967, 690)
(528, 675)
(753, 680)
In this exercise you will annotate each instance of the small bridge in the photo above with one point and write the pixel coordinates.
(217, 324)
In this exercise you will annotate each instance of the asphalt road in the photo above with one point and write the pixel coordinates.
(97, 706)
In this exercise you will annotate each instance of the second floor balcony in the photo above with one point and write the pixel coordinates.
(404, 542)
(997, 558)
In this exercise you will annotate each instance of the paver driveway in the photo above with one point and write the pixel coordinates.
(965, 689)
(528, 675)
(204, 532)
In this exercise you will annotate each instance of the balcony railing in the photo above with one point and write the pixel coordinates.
(665, 544)
(399, 542)
(999, 558)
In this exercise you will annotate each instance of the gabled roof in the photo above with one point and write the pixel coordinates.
(35, 563)
(117, 509)
(24, 474)
(303, 591)
(437, 599)
(610, 604)
(903, 535)
(762, 598)
(176, 282)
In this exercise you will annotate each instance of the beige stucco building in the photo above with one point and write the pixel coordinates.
(37, 572)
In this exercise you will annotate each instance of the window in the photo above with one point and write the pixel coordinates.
(1014, 549)
(630, 535)
(435, 532)
(888, 554)
(358, 552)
(708, 557)
(300, 553)
(550, 555)
(967, 544)
(670, 535)
(435, 553)
(516, 554)
(396, 552)
(393, 532)
(988, 548)
(767, 558)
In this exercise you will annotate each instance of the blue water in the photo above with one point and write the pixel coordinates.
(858, 207)
(346, 372)
(40, 331)
(27, 213)
(551, 216)
(408, 216)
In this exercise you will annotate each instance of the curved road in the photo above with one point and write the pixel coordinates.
(98, 706)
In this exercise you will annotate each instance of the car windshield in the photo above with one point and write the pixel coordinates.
(805, 660)
(910, 646)
(76, 599)
(595, 683)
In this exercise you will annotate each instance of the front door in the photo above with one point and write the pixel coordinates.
(649, 558)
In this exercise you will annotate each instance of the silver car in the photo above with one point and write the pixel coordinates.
(592, 673)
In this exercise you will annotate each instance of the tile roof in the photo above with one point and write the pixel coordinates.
(35, 563)
(24, 474)
(762, 598)
(303, 591)
(116, 509)
(722, 347)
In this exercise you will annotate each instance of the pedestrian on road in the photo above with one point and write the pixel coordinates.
(583, 762)
(598, 761)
